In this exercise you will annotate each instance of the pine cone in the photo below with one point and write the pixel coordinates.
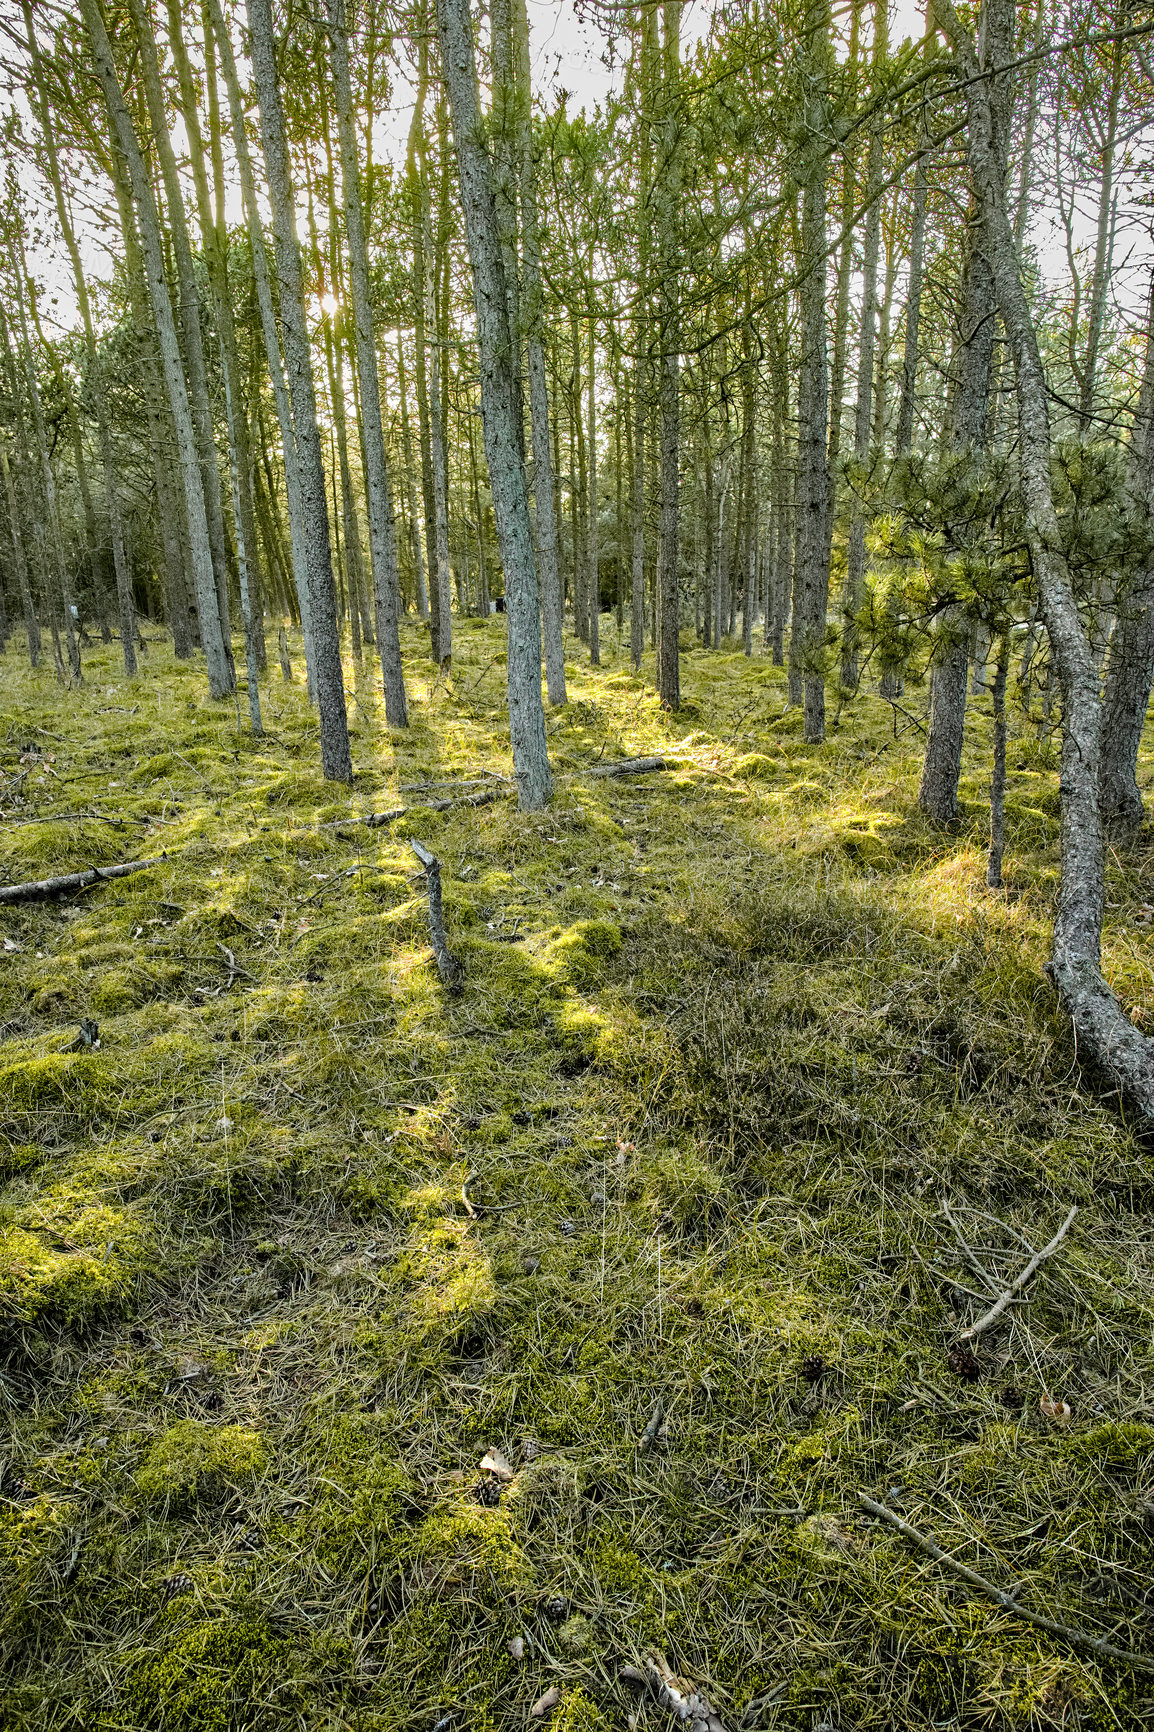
(813, 1368)
(963, 1363)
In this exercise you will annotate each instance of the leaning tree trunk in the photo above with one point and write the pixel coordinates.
(336, 761)
(499, 402)
(1107, 1038)
(382, 526)
(196, 368)
(221, 678)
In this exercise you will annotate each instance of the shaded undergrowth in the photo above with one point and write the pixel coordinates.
(751, 1099)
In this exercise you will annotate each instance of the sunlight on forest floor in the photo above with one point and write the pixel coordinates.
(728, 1037)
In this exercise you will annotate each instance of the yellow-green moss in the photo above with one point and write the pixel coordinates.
(194, 1462)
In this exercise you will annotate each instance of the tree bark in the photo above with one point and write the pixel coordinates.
(221, 676)
(499, 402)
(261, 277)
(667, 195)
(1130, 663)
(336, 761)
(1107, 1039)
(382, 525)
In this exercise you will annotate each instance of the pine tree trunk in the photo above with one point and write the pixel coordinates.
(190, 326)
(532, 314)
(668, 213)
(336, 762)
(20, 562)
(854, 592)
(1130, 664)
(298, 535)
(1107, 1040)
(382, 525)
(221, 676)
(411, 486)
(499, 403)
(813, 487)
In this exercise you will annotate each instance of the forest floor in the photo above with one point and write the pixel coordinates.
(752, 1098)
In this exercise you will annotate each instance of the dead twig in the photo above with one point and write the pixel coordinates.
(449, 967)
(1004, 1299)
(42, 889)
(1081, 1638)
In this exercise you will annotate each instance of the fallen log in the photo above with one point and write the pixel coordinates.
(42, 889)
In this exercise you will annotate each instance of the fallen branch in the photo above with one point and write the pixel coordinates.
(1020, 1281)
(1080, 1638)
(627, 767)
(41, 889)
(448, 966)
(378, 820)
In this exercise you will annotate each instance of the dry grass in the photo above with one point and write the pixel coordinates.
(757, 1023)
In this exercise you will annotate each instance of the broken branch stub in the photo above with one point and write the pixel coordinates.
(449, 966)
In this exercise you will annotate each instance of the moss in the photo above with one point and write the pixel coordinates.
(581, 952)
(212, 1677)
(579, 1713)
(193, 1463)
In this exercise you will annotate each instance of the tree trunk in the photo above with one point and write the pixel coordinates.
(499, 401)
(1106, 1037)
(336, 762)
(863, 417)
(20, 561)
(813, 488)
(411, 486)
(190, 326)
(298, 536)
(221, 677)
(668, 214)
(1130, 664)
(382, 526)
(592, 533)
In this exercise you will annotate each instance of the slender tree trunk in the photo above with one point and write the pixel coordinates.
(190, 326)
(854, 592)
(20, 562)
(411, 486)
(1107, 1039)
(1130, 664)
(382, 526)
(592, 535)
(667, 198)
(298, 532)
(499, 402)
(813, 490)
(336, 762)
(221, 677)
(998, 780)
(1103, 250)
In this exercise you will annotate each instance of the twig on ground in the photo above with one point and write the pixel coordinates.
(476, 1211)
(41, 889)
(1020, 1281)
(449, 967)
(361, 866)
(73, 818)
(1081, 1638)
(968, 1251)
